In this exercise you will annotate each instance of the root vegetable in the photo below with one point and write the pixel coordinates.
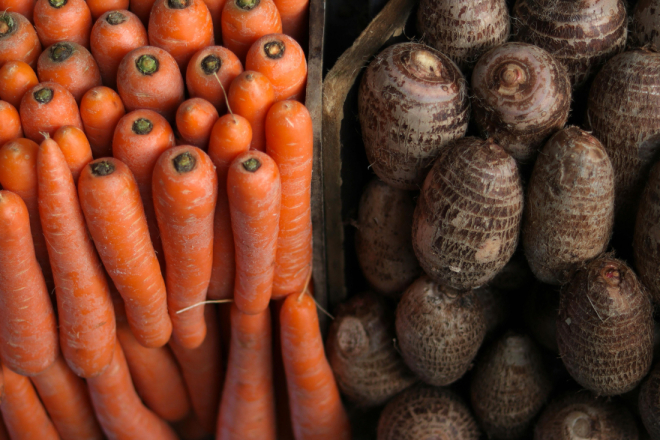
(645, 25)
(649, 402)
(540, 314)
(647, 235)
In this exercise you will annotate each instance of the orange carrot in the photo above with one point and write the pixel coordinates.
(247, 410)
(16, 78)
(100, 7)
(295, 18)
(23, 7)
(215, 8)
(245, 21)
(62, 20)
(284, 428)
(194, 121)
(142, 8)
(47, 107)
(251, 95)
(100, 110)
(316, 408)
(67, 401)
(75, 148)
(110, 200)
(70, 65)
(210, 73)
(230, 137)
(11, 123)
(253, 186)
(18, 39)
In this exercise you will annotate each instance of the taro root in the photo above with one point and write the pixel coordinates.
(412, 102)
(463, 30)
(383, 238)
(645, 26)
(649, 402)
(569, 210)
(580, 34)
(605, 328)
(581, 416)
(495, 307)
(646, 242)
(522, 95)
(540, 315)
(509, 387)
(467, 220)
(428, 413)
(361, 351)
(439, 330)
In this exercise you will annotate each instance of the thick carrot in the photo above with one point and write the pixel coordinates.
(247, 409)
(194, 121)
(295, 18)
(118, 407)
(62, 20)
(170, 25)
(75, 148)
(11, 123)
(316, 408)
(215, 8)
(100, 7)
(16, 78)
(100, 110)
(23, 7)
(230, 137)
(142, 8)
(47, 107)
(253, 186)
(282, 60)
(251, 95)
(86, 316)
(23, 413)
(67, 401)
(210, 73)
(290, 142)
(110, 200)
(149, 78)
(18, 39)
(245, 21)
(28, 332)
(70, 65)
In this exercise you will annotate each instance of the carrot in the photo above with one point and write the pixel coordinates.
(316, 409)
(47, 107)
(284, 428)
(253, 186)
(86, 317)
(170, 25)
(75, 148)
(247, 409)
(100, 7)
(62, 20)
(202, 371)
(210, 73)
(18, 39)
(118, 407)
(23, 7)
(100, 110)
(215, 8)
(67, 401)
(24, 415)
(245, 21)
(11, 123)
(251, 95)
(295, 18)
(149, 78)
(16, 78)
(110, 200)
(230, 137)
(114, 35)
(282, 60)
(70, 65)
(194, 121)
(142, 8)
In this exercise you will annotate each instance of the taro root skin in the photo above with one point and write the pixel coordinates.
(569, 210)
(605, 328)
(646, 242)
(645, 26)
(521, 97)
(467, 220)
(412, 102)
(649, 403)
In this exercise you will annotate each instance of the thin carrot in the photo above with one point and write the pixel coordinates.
(194, 121)
(110, 200)
(316, 409)
(47, 107)
(251, 95)
(11, 123)
(295, 18)
(210, 73)
(245, 21)
(62, 20)
(70, 65)
(75, 148)
(282, 408)
(142, 8)
(115, 34)
(100, 110)
(16, 78)
(18, 39)
(100, 7)
(23, 7)
(247, 409)
(215, 8)
(67, 401)
(230, 137)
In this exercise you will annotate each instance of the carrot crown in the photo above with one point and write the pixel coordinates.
(211, 64)
(115, 17)
(43, 95)
(247, 5)
(274, 49)
(57, 3)
(178, 4)
(7, 25)
(147, 64)
(142, 126)
(102, 168)
(252, 164)
(60, 52)
(184, 162)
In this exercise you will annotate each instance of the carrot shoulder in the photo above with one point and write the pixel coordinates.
(47, 107)
(18, 40)
(251, 95)
(75, 148)
(16, 78)
(101, 109)
(11, 123)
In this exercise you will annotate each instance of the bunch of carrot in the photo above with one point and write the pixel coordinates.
(140, 210)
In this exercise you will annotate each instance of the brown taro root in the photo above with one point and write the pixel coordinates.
(580, 34)
(361, 351)
(463, 30)
(605, 328)
(383, 238)
(646, 242)
(581, 416)
(645, 26)
(428, 413)
(439, 330)
(467, 220)
(649, 402)
(569, 209)
(412, 102)
(521, 97)
(509, 387)
(540, 314)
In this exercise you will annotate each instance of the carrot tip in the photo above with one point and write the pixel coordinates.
(252, 164)
(60, 52)
(7, 24)
(178, 4)
(43, 95)
(115, 17)
(103, 168)
(247, 5)
(57, 3)
(142, 126)
(211, 64)
(274, 49)
(147, 64)
(184, 162)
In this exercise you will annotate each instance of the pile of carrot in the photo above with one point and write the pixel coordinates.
(155, 224)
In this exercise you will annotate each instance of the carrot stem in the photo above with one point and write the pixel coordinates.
(211, 64)
(274, 49)
(115, 17)
(102, 168)
(252, 164)
(178, 4)
(184, 162)
(6, 24)
(60, 52)
(247, 5)
(57, 3)
(142, 126)
(43, 95)
(147, 64)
